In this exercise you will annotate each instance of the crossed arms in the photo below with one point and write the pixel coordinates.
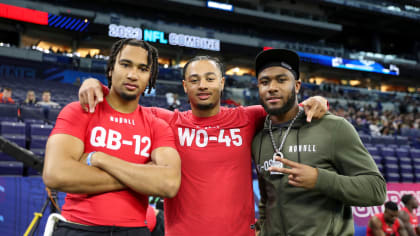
(65, 169)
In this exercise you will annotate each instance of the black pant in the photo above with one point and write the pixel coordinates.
(71, 229)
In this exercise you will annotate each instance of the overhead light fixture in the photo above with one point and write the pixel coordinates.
(220, 6)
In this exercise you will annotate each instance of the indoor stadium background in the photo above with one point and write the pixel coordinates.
(363, 56)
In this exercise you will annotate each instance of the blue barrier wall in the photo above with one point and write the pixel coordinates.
(20, 197)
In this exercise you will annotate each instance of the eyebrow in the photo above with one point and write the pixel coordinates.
(275, 76)
(206, 74)
(130, 62)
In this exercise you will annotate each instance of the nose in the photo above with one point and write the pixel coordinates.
(202, 84)
(133, 74)
(273, 86)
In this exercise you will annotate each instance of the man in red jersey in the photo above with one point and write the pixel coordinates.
(214, 142)
(387, 223)
(408, 216)
(108, 188)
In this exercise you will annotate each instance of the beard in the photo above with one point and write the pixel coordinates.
(204, 107)
(282, 110)
(128, 97)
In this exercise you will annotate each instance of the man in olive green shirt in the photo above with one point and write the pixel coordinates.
(326, 168)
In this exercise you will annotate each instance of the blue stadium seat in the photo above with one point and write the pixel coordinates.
(392, 177)
(406, 168)
(8, 110)
(5, 157)
(38, 151)
(405, 160)
(31, 112)
(391, 168)
(11, 168)
(417, 177)
(387, 139)
(390, 160)
(11, 119)
(53, 114)
(401, 152)
(40, 129)
(407, 177)
(387, 152)
(377, 159)
(365, 138)
(415, 153)
(12, 127)
(401, 140)
(38, 141)
(19, 139)
(416, 168)
(373, 151)
(376, 140)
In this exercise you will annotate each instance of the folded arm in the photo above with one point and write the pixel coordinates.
(162, 178)
(64, 172)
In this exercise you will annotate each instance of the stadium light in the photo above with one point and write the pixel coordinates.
(220, 6)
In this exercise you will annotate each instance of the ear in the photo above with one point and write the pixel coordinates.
(184, 85)
(222, 83)
(298, 83)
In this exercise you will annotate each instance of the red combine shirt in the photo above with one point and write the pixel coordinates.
(216, 195)
(131, 137)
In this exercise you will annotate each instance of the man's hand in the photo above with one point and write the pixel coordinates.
(300, 175)
(315, 107)
(90, 94)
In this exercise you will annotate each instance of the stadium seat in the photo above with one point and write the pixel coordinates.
(11, 168)
(377, 159)
(376, 140)
(407, 177)
(53, 114)
(19, 139)
(401, 140)
(387, 152)
(404, 161)
(39, 152)
(401, 152)
(373, 151)
(365, 138)
(8, 110)
(11, 119)
(30, 112)
(5, 157)
(406, 168)
(387, 139)
(390, 160)
(416, 168)
(392, 177)
(391, 168)
(12, 128)
(415, 153)
(40, 129)
(417, 177)
(38, 142)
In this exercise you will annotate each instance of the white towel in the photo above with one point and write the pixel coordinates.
(52, 220)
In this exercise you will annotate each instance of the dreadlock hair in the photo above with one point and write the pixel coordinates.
(204, 58)
(152, 59)
(406, 198)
